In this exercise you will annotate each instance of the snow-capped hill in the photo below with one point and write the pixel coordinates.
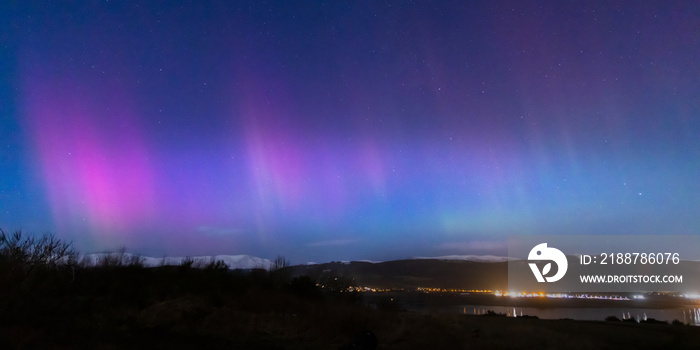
(243, 261)
(232, 261)
(476, 258)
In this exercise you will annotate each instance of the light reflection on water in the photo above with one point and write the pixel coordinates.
(689, 316)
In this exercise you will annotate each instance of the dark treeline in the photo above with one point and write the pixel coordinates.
(49, 296)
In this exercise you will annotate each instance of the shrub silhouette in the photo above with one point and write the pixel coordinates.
(24, 258)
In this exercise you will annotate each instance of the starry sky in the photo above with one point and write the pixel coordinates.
(343, 130)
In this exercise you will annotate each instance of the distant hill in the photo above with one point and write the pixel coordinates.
(414, 273)
(479, 258)
(232, 261)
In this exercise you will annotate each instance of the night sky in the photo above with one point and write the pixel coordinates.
(346, 130)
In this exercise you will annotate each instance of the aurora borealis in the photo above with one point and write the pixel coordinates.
(347, 130)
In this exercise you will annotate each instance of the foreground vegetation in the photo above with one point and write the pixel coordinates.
(49, 299)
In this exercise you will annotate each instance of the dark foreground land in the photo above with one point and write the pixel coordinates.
(131, 307)
(193, 323)
(48, 302)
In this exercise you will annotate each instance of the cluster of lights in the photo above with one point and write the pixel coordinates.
(444, 290)
(512, 294)
(366, 289)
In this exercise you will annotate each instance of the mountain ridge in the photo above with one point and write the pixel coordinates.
(233, 262)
